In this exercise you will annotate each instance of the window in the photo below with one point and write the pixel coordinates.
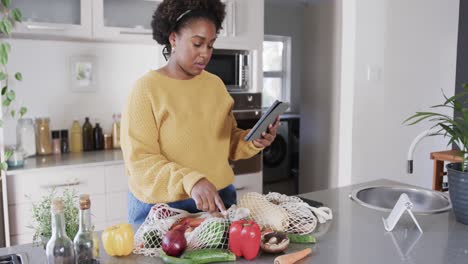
(276, 69)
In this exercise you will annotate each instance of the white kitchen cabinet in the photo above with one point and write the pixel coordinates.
(124, 20)
(54, 18)
(106, 184)
(249, 182)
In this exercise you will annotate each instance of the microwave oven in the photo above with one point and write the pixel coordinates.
(233, 67)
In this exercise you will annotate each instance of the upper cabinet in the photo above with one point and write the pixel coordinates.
(124, 20)
(54, 18)
(128, 21)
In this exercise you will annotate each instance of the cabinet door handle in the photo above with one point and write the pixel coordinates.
(42, 27)
(240, 188)
(123, 32)
(48, 186)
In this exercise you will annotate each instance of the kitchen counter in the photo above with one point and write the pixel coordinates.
(101, 157)
(355, 236)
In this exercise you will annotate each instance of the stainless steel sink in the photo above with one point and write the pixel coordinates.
(383, 198)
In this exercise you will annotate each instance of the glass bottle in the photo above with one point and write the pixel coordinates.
(56, 142)
(43, 145)
(88, 142)
(76, 137)
(84, 242)
(64, 145)
(26, 136)
(59, 249)
(116, 130)
(98, 137)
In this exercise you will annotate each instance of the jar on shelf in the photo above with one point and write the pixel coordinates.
(26, 136)
(43, 144)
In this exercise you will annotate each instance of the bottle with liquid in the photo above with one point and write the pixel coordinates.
(43, 145)
(56, 142)
(88, 142)
(116, 131)
(84, 242)
(98, 137)
(64, 145)
(76, 137)
(59, 249)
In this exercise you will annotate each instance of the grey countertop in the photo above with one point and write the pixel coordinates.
(355, 236)
(70, 159)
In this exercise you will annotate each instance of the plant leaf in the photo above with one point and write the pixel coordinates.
(6, 102)
(4, 166)
(4, 53)
(3, 76)
(6, 3)
(11, 95)
(7, 26)
(8, 154)
(18, 76)
(16, 14)
(4, 90)
(23, 110)
(13, 113)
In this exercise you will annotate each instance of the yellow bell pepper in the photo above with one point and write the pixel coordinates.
(118, 240)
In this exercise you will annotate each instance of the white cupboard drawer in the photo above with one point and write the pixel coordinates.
(27, 187)
(116, 179)
(21, 215)
(246, 183)
(117, 206)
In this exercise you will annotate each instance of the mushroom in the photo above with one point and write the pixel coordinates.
(274, 242)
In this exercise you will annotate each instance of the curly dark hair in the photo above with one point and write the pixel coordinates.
(172, 15)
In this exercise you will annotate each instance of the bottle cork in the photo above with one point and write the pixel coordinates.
(85, 202)
(57, 205)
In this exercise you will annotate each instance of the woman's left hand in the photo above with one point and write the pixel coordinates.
(267, 137)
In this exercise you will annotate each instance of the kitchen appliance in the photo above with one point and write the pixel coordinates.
(281, 158)
(233, 67)
(247, 111)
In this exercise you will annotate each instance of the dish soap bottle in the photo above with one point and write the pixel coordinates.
(59, 249)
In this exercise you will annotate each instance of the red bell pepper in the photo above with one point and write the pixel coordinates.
(244, 239)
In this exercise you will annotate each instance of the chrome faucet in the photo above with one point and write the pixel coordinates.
(416, 140)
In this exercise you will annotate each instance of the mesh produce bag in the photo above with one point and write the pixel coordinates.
(284, 213)
(211, 231)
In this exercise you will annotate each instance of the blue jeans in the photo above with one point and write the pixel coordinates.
(138, 210)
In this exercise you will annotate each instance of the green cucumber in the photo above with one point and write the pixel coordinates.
(209, 255)
(173, 260)
(302, 239)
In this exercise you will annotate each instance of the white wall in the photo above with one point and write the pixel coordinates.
(46, 91)
(413, 46)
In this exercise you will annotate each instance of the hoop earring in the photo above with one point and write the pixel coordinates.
(173, 49)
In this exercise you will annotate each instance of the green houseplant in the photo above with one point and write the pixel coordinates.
(42, 216)
(456, 129)
(8, 17)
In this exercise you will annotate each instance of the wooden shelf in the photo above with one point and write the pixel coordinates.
(440, 158)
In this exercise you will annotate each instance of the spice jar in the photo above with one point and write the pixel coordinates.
(108, 141)
(26, 136)
(43, 145)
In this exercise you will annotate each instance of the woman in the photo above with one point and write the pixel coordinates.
(178, 131)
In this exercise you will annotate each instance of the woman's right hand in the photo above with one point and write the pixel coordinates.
(206, 197)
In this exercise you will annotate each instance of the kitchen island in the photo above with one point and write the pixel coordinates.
(355, 236)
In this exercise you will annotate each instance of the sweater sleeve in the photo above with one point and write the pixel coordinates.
(240, 149)
(152, 177)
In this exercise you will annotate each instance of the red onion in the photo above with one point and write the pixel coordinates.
(174, 242)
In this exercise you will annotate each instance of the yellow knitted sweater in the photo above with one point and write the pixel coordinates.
(176, 132)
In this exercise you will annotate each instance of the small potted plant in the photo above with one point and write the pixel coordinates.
(456, 129)
(42, 216)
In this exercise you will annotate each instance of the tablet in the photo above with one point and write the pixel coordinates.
(269, 117)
